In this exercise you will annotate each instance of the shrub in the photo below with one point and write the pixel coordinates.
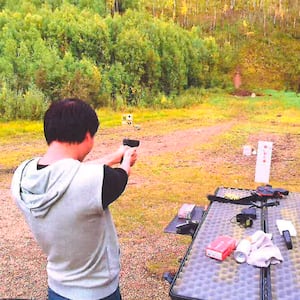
(34, 104)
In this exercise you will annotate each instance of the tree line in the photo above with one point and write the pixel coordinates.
(111, 53)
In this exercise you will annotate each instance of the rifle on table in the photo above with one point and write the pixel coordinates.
(262, 193)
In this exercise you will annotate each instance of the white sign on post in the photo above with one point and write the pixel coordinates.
(263, 162)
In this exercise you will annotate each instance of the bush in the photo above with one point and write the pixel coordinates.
(34, 104)
(14, 105)
(10, 103)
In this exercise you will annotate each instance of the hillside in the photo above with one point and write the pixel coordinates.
(142, 53)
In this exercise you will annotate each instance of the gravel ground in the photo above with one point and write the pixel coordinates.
(22, 264)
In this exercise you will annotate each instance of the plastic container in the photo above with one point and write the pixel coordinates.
(242, 251)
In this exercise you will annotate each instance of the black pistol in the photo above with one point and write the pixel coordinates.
(131, 143)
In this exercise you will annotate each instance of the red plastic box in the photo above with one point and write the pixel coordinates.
(221, 247)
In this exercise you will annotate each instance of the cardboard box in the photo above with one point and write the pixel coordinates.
(186, 211)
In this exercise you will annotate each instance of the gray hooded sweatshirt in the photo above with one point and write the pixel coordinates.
(63, 208)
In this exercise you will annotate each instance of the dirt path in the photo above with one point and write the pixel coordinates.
(157, 144)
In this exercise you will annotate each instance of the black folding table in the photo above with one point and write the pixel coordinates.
(202, 278)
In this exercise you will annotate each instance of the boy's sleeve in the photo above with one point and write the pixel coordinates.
(114, 183)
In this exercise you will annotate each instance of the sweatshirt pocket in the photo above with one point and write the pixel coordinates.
(113, 255)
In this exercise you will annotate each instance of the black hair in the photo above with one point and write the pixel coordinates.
(69, 120)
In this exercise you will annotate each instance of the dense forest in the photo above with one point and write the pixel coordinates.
(131, 52)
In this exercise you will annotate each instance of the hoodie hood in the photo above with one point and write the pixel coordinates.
(38, 190)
